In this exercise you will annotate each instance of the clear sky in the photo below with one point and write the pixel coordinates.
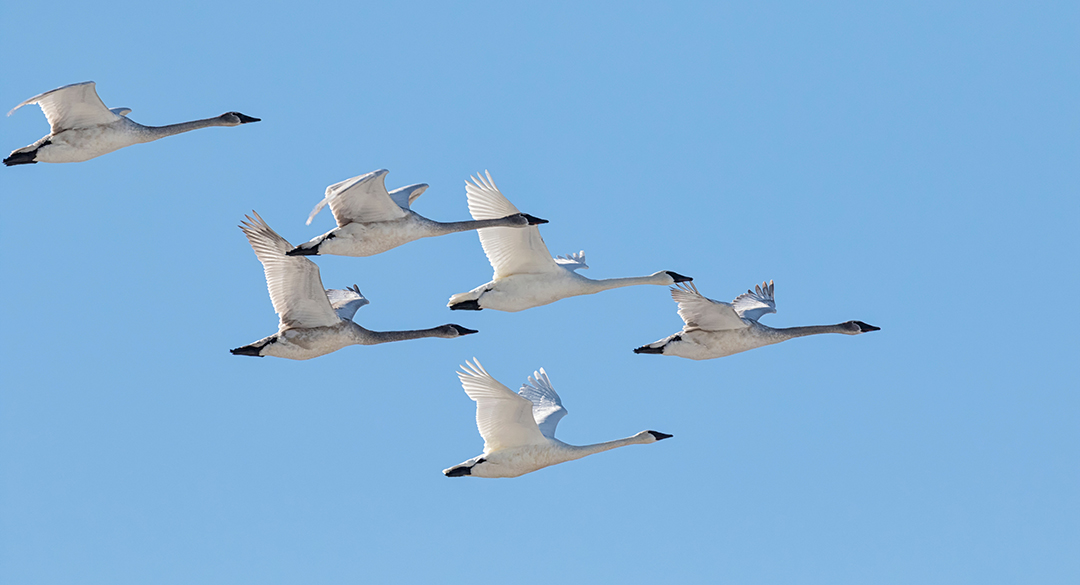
(913, 166)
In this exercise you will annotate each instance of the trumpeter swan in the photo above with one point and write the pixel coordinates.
(716, 329)
(519, 429)
(83, 128)
(526, 275)
(313, 322)
(372, 220)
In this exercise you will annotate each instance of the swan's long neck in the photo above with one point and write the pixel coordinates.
(451, 227)
(368, 337)
(793, 332)
(594, 286)
(155, 132)
(583, 450)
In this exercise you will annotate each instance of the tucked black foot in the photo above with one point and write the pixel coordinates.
(247, 350)
(21, 158)
(299, 251)
(466, 306)
(660, 436)
(463, 330)
(647, 349)
(678, 277)
(533, 220)
(863, 327)
(459, 472)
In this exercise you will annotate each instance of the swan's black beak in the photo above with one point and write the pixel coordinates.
(247, 119)
(533, 220)
(463, 330)
(678, 277)
(863, 327)
(660, 436)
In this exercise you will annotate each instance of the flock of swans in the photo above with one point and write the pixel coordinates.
(518, 428)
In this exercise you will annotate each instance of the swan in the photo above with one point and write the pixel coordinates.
(314, 322)
(519, 429)
(716, 329)
(371, 220)
(83, 128)
(526, 275)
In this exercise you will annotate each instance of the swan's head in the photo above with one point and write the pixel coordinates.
(674, 276)
(857, 327)
(653, 436)
(457, 330)
(236, 118)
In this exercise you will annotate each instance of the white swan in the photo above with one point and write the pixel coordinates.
(519, 429)
(313, 322)
(83, 128)
(526, 275)
(371, 220)
(716, 329)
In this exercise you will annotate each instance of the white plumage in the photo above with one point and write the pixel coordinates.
(83, 128)
(525, 274)
(519, 429)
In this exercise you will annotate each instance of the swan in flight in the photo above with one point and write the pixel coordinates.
(83, 128)
(314, 322)
(716, 329)
(519, 429)
(526, 275)
(372, 220)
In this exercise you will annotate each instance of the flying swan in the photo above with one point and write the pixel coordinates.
(526, 275)
(372, 220)
(313, 322)
(83, 128)
(716, 329)
(519, 429)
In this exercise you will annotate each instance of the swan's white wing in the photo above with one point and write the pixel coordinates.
(505, 419)
(572, 261)
(510, 250)
(360, 199)
(404, 196)
(346, 302)
(72, 106)
(295, 287)
(547, 408)
(701, 313)
(756, 303)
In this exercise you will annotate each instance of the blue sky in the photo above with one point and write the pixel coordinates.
(912, 165)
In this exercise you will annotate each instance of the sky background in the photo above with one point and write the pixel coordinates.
(912, 165)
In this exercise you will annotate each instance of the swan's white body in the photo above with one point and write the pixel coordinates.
(313, 321)
(519, 429)
(372, 220)
(715, 329)
(83, 128)
(526, 275)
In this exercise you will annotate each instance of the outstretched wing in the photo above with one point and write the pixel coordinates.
(510, 250)
(505, 419)
(360, 199)
(346, 302)
(547, 408)
(699, 312)
(404, 196)
(753, 304)
(295, 287)
(72, 106)
(572, 261)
